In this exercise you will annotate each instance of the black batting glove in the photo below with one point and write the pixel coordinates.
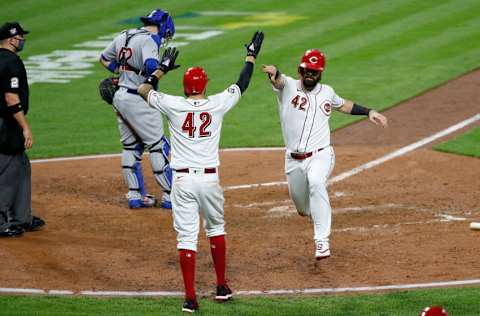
(253, 48)
(167, 62)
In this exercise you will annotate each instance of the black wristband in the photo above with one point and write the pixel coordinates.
(357, 109)
(152, 80)
(277, 74)
(15, 108)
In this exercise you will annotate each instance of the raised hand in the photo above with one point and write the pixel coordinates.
(253, 48)
(270, 70)
(167, 62)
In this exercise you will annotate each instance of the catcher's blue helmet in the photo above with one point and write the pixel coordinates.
(164, 22)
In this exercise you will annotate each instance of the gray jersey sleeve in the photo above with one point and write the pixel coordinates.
(110, 52)
(150, 49)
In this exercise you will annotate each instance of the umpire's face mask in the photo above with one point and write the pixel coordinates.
(20, 43)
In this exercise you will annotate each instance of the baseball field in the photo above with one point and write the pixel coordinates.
(402, 197)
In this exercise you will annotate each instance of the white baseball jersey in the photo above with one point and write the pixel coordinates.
(195, 125)
(304, 115)
(304, 119)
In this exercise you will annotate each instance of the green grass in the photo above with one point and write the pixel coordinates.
(462, 301)
(467, 144)
(379, 53)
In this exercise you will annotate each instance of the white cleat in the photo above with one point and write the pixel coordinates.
(322, 250)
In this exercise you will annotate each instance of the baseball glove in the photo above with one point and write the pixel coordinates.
(107, 89)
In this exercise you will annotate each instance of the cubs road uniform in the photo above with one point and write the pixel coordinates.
(309, 157)
(140, 126)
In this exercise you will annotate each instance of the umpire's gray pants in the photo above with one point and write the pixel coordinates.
(15, 190)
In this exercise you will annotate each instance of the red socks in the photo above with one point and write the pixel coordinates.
(219, 255)
(187, 264)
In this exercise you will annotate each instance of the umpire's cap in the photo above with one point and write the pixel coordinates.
(10, 29)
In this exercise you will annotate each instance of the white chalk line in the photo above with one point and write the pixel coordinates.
(245, 293)
(338, 178)
(74, 158)
(376, 162)
(444, 218)
(406, 149)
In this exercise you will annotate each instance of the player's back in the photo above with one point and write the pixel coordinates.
(195, 126)
(140, 47)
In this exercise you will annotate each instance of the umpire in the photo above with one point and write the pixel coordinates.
(15, 136)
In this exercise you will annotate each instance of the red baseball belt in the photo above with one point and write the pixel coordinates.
(188, 170)
(302, 156)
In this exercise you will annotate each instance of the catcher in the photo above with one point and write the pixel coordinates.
(134, 55)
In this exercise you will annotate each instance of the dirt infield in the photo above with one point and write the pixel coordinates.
(405, 221)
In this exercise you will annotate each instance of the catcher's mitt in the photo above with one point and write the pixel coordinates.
(107, 89)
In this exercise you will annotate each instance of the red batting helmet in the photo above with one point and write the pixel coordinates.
(434, 311)
(313, 59)
(194, 81)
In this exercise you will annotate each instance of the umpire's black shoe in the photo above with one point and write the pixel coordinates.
(190, 306)
(36, 224)
(223, 293)
(12, 231)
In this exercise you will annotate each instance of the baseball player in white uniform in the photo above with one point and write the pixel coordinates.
(305, 106)
(134, 54)
(195, 123)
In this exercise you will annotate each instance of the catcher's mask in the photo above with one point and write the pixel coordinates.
(311, 67)
(434, 311)
(164, 22)
(195, 81)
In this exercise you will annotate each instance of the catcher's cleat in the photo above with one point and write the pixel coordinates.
(167, 205)
(149, 200)
(166, 202)
(190, 306)
(322, 250)
(136, 200)
(223, 293)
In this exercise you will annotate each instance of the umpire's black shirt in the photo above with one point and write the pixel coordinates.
(13, 78)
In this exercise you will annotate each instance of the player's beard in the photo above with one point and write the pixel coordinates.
(309, 82)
